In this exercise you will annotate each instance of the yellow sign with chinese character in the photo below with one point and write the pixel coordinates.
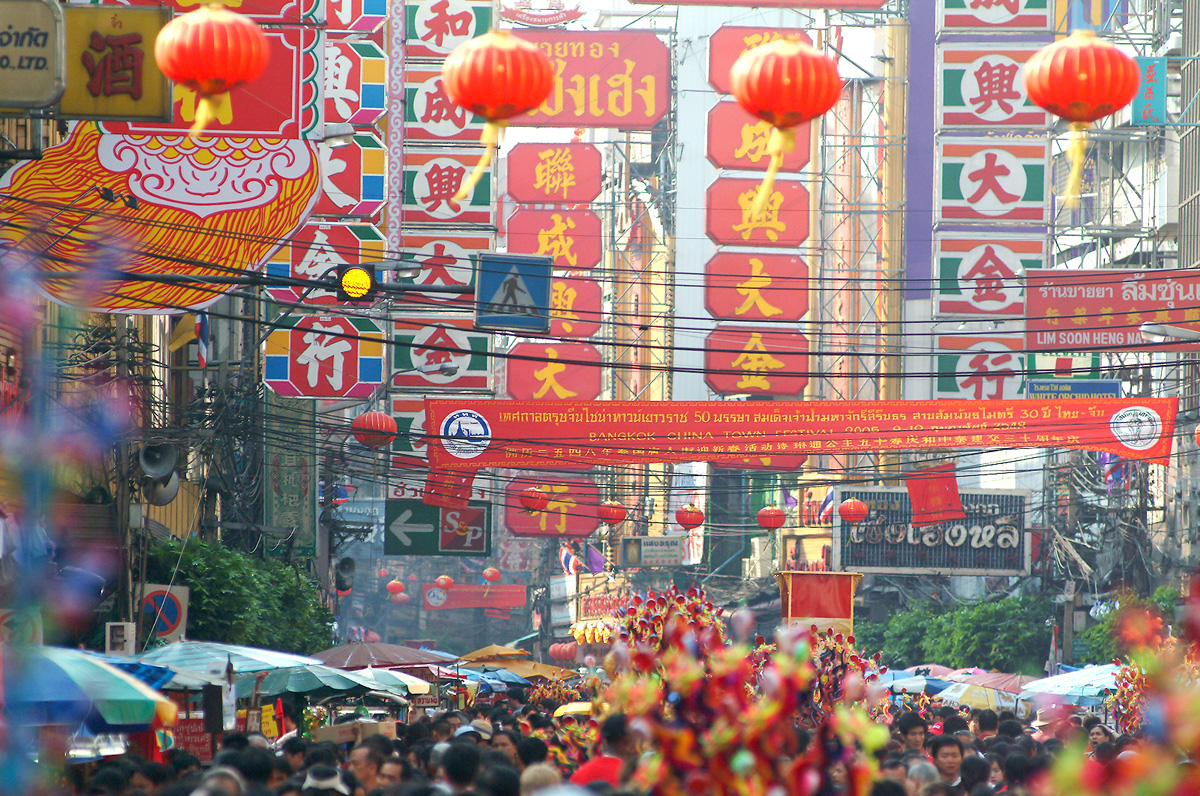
(111, 72)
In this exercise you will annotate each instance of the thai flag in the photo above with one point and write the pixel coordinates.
(827, 506)
(570, 564)
(202, 338)
(1115, 469)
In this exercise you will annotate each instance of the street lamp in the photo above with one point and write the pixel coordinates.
(1164, 333)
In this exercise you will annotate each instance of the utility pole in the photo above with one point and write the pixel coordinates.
(126, 595)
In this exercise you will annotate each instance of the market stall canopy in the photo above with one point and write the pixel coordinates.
(1011, 683)
(959, 674)
(929, 669)
(495, 651)
(314, 680)
(532, 669)
(499, 673)
(918, 684)
(978, 696)
(212, 657)
(395, 678)
(163, 678)
(1083, 687)
(362, 654)
(51, 685)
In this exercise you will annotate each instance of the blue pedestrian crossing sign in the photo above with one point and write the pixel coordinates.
(512, 292)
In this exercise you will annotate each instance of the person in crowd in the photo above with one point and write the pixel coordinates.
(912, 730)
(617, 746)
(226, 778)
(293, 750)
(441, 730)
(987, 724)
(496, 776)
(1096, 735)
(397, 771)
(839, 777)
(281, 772)
(1011, 729)
(506, 741)
(364, 761)
(996, 772)
(150, 777)
(947, 754)
(530, 752)
(538, 776)
(893, 768)
(973, 771)
(322, 780)
(458, 767)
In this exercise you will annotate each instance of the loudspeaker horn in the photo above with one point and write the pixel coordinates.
(160, 492)
(158, 459)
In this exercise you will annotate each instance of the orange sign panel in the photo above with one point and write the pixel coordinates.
(553, 372)
(730, 41)
(571, 237)
(731, 220)
(756, 286)
(741, 360)
(737, 140)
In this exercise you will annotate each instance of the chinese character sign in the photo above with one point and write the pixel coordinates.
(986, 180)
(317, 356)
(110, 67)
(605, 79)
(573, 509)
(353, 178)
(737, 140)
(410, 447)
(436, 27)
(356, 16)
(1150, 104)
(731, 221)
(355, 82)
(553, 372)
(441, 353)
(756, 286)
(979, 368)
(742, 360)
(286, 11)
(985, 276)
(554, 173)
(576, 306)
(985, 87)
(730, 41)
(314, 252)
(988, 15)
(429, 115)
(444, 261)
(571, 237)
(431, 179)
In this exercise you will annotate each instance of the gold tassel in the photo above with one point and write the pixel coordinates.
(490, 137)
(207, 110)
(780, 143)
(1077, 152)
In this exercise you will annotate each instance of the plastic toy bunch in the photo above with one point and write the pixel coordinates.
(644, 621)
(553, 691)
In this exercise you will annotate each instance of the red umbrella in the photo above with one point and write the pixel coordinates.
(1010, 683)
(362, 654)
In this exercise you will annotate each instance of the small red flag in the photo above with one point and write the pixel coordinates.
(450, 490)
(824, 599)
(933, 493)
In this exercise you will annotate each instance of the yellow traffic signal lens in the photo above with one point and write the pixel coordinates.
(356, 282)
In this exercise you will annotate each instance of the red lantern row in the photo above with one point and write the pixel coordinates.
(771, 518)
(853, 511)
(399, 598)
(564, 651)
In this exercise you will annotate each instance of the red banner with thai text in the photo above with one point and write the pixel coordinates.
(470, 595)
(476, 433)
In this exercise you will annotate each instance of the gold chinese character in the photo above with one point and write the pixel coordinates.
(548, 376)
(555, 172)
(562, 302)
(559, 505)
(752, 289)
(767, 219)
(754, 141)
(755, 361)
(189, 99)
(556, 242)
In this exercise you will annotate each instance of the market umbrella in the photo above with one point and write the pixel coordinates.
(915, 685)
(395, 678)
(958, 674)
(162, 678)
(1083, 687)
(362, 654)
(315, 680)
(52, 685)
(210, 657)
(929, 669)
(488, 683)
(532, 669)
(978, 696)
(494, 651)
(501, 674)
(1012, 683)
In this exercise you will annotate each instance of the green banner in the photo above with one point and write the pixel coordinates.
(290, 476)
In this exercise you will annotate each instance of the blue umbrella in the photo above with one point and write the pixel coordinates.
(503, 675)
(487, 683)
(919, 683)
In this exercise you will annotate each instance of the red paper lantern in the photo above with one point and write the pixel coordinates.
(612, 512)
(785, 82)
(383, 573)
(556, 651)
(689, 517)
(534, 499)
(572, 650)
(395, 587)
(853, 511)
(374, 429)
(771, 518)
(496, 76)
(1080, 79)
(444, 582)
(400, 598)
(491, 574)
(342, 592)
(211, 51)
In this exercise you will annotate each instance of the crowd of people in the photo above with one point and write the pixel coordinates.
(516, 749)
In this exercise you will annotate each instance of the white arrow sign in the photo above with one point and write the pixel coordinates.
(401, 528)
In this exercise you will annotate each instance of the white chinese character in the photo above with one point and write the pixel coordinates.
(322, 346)
(337, 75)
(329, 167)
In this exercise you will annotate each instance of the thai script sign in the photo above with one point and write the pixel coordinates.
(32, 63)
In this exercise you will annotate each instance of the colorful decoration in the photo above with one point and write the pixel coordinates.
(786, 83)
(771, 518)
(653, 620)
(853, 511)
(399, 598)
(383, 573)
(496, 76)
(612, 512)
(534, 499)
(395, 587)
(444, 582)
(374, 430)
(1080, 79)
(211, 51)
(491, 574)
(689, 517)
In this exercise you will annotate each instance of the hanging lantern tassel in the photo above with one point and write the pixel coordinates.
(781, 142)
(490, 139)
(1077, 153)
(207, 111)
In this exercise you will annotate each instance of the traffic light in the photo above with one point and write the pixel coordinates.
(356, 283)
(343, 574)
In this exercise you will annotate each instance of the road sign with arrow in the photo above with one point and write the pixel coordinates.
(416, 529)
(512, 292)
